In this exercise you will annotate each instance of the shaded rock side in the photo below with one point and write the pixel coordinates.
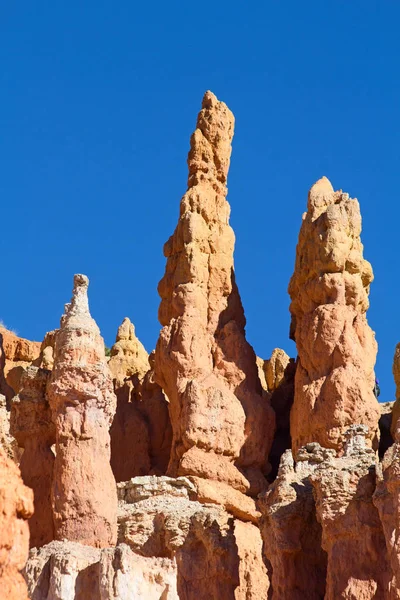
(83, 403)
(222, 425)
(395, 424)
(337, 349)
(33, 428)
(16, 505)
(141, 433)
(16, 354)
(216, 556)
(290, 530)
(387, 500)
(7, 441)
(352, 533)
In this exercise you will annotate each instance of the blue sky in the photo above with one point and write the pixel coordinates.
(98, 101)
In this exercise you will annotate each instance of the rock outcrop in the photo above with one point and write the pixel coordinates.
(290, 530)
(352, 533)
(83, 403)
(15, 355)
(16, 505)
(337, 349)
(141, 432)
(8, 441)
(222, 425)
(33, 428)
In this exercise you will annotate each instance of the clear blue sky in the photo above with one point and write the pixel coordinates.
(98, 101)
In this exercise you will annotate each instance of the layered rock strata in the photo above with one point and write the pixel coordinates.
(290, 530)
(337, 349)
(141, 432)
(83, 403)
(33, 428)
(222, 425)
(352, 533)
(16, 505)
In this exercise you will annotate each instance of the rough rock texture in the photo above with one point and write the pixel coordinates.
(291, 533)
(352, 533)
(72, 571)
(396, 405)
(15, 355)
(8, 441)
(337, 349)
(216, 556)
(83, 404)
(16, 505)
(141, 432)
(46, 356)
(222, 425)
(32, 427)
(279, 373)
(387, 500)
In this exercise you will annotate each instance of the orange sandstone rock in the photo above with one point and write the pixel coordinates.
(337, 349)
(32, 427)
(83, 404)
(15, 355)
(222, 425)
(16, 505)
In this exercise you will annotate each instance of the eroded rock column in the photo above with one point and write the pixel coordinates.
(83, 404)
(337, 349)
(352, 533)
(222, 426)
(32, 426)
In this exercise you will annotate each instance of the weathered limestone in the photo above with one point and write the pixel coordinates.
(141, 432)
(216, 556)
(7, 441)
(352, 533)
(83, 404)
(16, 505)
(396, 406)
(291, 533)
(32, 427)
(222, 425)
(15, 355)
(337, 349)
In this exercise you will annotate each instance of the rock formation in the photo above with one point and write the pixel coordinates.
(352, 533)
(222, 425)
(15, 355)
(291, 533)
(83, 404)
(337, 349)
(141, 430)
(7, 442)
(16, 505)
(32, 427)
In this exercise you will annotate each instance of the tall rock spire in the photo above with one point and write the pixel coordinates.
(337, 349)
(83, 403)
(222, 426)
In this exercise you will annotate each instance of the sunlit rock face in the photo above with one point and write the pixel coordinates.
(337, 349)
(83, 403)
(222, 425)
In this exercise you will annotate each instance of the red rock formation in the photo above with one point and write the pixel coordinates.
(337, 349)
(32, 427)
(222, 426)
(83, 404)
(15, 355)
(16, 505)
(291, 533)
(352, 533)
(141, 430)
